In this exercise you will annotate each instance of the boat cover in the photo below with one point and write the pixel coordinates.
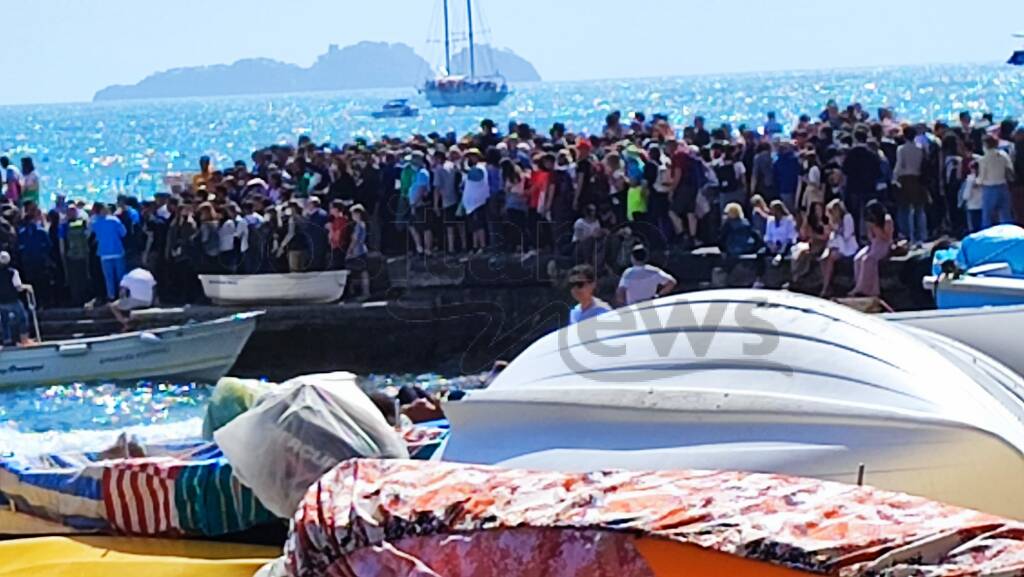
(405, 518)
(1003, 243)
(186, 489)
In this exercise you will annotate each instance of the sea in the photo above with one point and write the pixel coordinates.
(95, 151)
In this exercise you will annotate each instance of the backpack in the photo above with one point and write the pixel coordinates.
(76, 242)
(726, 174)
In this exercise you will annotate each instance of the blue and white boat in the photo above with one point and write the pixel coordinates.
(398, 108)
(988, 271)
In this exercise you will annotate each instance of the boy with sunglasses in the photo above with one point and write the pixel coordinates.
(582, 281)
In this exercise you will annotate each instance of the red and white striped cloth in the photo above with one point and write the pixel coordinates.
(139, 496)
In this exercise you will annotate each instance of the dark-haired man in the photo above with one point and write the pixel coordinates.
(642, 281)
(582, 281)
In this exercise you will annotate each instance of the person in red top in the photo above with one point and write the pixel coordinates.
(539, 193)
(337, 233)
(684, 193)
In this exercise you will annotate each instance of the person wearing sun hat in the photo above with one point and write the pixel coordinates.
(475, 193)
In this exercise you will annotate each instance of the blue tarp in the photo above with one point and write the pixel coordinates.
(1003, 243)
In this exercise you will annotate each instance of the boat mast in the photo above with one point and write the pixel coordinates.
(447, 43)
(472, 48)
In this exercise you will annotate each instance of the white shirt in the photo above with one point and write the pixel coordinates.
(641, 282)
(995, 168)
(139, 284)
(226, 233)
(242, 233)
(778, 234)
(970, 193)
(582, 230)
(844, 238)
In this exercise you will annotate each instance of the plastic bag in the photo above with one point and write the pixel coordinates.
(231, 398)
(300, 430)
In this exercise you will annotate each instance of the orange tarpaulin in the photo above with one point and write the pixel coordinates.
(401, 518)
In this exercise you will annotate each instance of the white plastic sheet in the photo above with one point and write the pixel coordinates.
(299, 431)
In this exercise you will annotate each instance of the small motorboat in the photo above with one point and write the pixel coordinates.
(1017, 59)
(286, 288)
(398, 108)
(199, 352)
(756, 381)
(986, 270)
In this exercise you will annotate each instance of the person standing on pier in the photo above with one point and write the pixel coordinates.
(642, 281)
(15, 321)
(109, 233)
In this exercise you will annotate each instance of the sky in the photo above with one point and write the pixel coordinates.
(75, 47)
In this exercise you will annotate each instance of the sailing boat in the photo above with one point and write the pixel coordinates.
(472, 90)
(1018, 57)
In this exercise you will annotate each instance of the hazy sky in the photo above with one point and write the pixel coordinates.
(65, 50)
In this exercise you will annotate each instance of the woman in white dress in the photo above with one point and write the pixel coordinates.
(842, 243)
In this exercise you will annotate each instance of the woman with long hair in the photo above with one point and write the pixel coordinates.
(813, 237)
(517, 206)
(842, 242)
(865, 264)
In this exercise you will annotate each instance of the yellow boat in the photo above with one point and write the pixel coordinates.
(129, 557)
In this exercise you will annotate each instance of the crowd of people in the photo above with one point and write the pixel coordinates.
(840, 185)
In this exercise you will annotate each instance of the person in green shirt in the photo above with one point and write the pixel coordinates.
(29, 182)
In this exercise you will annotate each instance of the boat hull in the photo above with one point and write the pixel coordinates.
(394, 114)
(991, 330)
(447, 98)
(756, 381)
(975, 291)
(292, 288)
(199, 352)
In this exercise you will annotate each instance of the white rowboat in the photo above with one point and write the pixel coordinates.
(290, 288)
(193, 352)
(757, 381)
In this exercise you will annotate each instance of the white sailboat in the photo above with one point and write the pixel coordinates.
(463, 90)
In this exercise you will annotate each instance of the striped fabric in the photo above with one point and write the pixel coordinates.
(139, 496)
(210, 500)
(182, 489)
(64, 490)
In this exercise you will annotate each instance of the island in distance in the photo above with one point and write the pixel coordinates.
(363, 65)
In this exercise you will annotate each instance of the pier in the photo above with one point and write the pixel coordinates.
(449, 314)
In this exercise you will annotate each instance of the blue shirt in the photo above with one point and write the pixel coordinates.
(578, 315)
(33, 242)
(420, 189)
(133, 215)
(109, 231)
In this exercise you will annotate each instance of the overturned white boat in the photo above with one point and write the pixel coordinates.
(195, 352)
(757, 381)
(288, 288)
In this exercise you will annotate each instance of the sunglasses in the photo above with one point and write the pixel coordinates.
(578, 284)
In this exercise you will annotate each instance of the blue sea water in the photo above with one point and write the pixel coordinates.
(91, 150)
